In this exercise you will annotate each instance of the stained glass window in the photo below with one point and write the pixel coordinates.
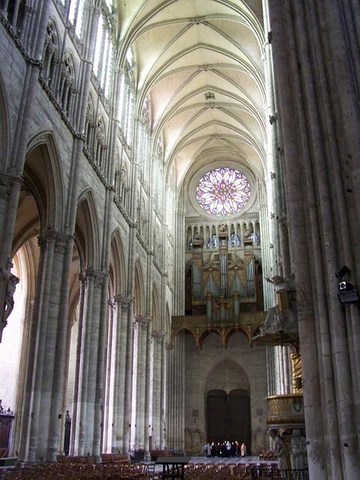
(223, 191)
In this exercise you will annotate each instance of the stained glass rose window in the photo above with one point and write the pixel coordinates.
(223, 191)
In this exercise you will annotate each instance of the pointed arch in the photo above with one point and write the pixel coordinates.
(139, 304)
(156, 313)
(50, 55)
(42, 193)
(87, 231)
(117, 266)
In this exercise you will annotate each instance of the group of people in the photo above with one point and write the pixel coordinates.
(225, 449)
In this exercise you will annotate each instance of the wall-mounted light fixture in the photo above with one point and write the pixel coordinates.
(347, 292)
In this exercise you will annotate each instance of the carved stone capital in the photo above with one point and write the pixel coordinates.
(159, 334)
(6, 184)
(97, 277)
(142, 320)
(60, 239)
(124, 301)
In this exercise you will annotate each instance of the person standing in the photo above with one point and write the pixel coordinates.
(243, 450)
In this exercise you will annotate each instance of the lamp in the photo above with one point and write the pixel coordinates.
(348, 296)
(347, 292)
(344, 270)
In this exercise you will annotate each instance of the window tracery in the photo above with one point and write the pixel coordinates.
(15, 11)
(100, 150)
(67, 83)
(103, 59)
(50, 55)
(223, 191)
(76, 15)
(89, 126)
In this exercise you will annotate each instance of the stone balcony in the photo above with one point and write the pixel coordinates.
(285, 411)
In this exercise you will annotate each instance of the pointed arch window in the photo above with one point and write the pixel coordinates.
(76, 15)
(100, 152)
(15, 11)
(50, 55)
(103, 59)
(89, 127)
(67, 84)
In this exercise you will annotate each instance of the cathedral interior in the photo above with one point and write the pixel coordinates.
(179, 228)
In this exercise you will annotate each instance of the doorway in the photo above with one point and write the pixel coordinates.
(228, 416)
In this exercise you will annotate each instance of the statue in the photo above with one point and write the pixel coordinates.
(296, 366)
(9, 281)
(298, 450)
(281, 450)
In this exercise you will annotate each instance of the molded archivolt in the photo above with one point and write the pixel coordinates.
(87, 232)
(118, 276)
(156, 315)
(226, 375)
(224, 335)
(42, 194)
(139, 306)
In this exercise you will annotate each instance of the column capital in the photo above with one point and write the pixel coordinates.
(60, 239)
(6, 184)
(124, 301)
(97, 276)
(158, 335)
(142, 320)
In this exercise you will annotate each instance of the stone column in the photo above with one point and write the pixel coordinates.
(157, 391)
(179, 264)
(45, 403)
(87, 441)
(314, 84)
(140, 373)
(176, 400)
(120, 420)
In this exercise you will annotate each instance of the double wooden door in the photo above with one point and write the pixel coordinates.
(228, 416)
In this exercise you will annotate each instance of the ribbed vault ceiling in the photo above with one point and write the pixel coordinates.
(199, 65)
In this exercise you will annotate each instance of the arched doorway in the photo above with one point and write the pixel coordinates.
(228, 416)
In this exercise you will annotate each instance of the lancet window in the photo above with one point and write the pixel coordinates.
(103, 60)
(15, 11)
(100, 150)
(121, 183)
(50, 56)
(67, 84)
(76, 15)
(89, 127)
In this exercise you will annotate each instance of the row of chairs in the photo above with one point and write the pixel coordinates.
(80, 471)
(120, 469)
